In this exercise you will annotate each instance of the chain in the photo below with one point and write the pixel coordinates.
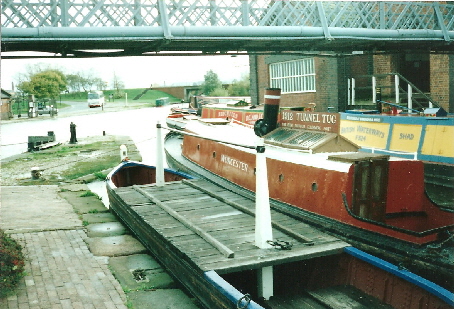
(246, 298)
(280, 244)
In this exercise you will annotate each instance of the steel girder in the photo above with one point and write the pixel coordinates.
(136, 27)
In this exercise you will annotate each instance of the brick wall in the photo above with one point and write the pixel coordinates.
(357, 66)
(263, 78)
(384, 64)
(441, 77)
(326, 83)
(451, 84)
(178, 92)
(332, 74)
(5, 109)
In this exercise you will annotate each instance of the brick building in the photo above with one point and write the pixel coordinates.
(5, 105)
(324, 79)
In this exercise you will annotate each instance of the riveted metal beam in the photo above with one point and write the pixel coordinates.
(164, 19)
(322, 16)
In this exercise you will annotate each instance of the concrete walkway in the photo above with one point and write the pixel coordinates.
(61, 272)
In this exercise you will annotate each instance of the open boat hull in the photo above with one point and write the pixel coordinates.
(366, 280)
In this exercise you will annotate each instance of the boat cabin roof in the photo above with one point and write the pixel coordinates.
(310, 140)
(239, 134)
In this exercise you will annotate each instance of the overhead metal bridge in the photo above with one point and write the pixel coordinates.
(81, 28)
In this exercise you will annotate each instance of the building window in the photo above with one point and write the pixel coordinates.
(293, 76)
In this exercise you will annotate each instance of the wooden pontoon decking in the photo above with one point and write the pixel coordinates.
(214, 228)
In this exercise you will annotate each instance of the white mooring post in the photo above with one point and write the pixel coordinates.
(396, 88)
(263, 228)
(409, 98)
(123, 153)
(159, 156)
(374, 90)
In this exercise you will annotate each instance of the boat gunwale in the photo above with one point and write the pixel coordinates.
(395, 228)
(126, 164)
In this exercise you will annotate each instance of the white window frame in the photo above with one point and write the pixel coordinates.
(293, 76)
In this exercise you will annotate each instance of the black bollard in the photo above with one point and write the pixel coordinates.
(72, 129)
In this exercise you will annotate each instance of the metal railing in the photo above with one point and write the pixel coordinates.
(409, 18)
(399, 91)
(73, 28)
(343, 14)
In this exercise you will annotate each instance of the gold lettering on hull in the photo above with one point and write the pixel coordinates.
(234, 162)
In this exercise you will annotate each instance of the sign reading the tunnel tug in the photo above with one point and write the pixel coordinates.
(326, 122)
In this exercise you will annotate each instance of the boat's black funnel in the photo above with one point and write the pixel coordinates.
(270, 112)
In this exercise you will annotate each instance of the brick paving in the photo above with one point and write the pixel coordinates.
(61, 272)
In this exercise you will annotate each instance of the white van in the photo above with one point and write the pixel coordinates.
(95, 99)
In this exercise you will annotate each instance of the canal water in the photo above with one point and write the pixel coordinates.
(99, 187)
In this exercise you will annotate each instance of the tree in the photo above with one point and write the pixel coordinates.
(46, 84)
(99, 83)
(211, 83)
(241, 87)
(118, 85)
(74, 84)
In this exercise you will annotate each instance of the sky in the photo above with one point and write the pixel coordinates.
(137, 72)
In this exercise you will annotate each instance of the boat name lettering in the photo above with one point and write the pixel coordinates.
(253, 117)
(287, 116)
(228, 114)
(327, 118)
(325, 122)
(308, 117)
(407, 136)
(346, 130)
(234, 162)
(361, 138)
(368, 119)
(370, 131)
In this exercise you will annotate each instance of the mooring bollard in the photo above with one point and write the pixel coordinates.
(123, 153)
(35, 172)
(72, 130)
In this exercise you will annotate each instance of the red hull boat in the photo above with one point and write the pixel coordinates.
(377, 202)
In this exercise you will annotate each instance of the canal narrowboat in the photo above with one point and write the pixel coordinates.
(376, 202)
(325, 273)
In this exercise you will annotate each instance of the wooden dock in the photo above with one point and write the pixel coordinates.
(211, 228)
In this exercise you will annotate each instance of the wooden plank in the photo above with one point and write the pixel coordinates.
(217, 210)
(252, 213)
(269, 257)
(346, 297)
(295, 301)
(226, 251)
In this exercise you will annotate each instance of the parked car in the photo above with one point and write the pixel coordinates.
(46, 109)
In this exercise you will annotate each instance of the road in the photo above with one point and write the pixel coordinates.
(116, 119)
(74, 107)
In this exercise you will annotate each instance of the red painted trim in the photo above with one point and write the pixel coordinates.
(320, 190)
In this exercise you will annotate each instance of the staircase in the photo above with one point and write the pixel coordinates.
(409, 97)
(141, 94)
